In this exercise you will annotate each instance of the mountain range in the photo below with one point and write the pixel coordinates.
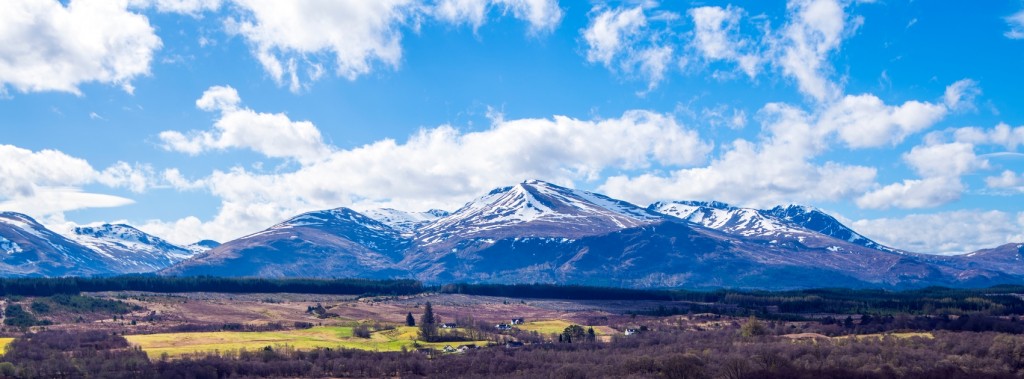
(530, 232)
(27, 248)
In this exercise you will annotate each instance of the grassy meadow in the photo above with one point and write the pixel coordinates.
(550, 327)
(179, 344)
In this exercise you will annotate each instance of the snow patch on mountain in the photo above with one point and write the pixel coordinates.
(405, 222)
(202, 246)
(817, 221)
(746, 222)
(339, 221)
(22, 223)
(9, 247)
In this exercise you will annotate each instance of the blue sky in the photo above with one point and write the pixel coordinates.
(216, 118)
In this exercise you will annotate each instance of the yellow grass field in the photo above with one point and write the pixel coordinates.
(897, 335)
(3, 344)
(178, 344)
(546, 327)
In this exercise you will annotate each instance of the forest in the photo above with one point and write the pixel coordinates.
(163, 284)
(998, 300)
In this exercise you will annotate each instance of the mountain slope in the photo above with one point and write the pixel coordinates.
(1008, 258)
(129, 250)
(27, 248)
(332, 243)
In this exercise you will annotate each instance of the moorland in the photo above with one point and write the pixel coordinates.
(139, 326)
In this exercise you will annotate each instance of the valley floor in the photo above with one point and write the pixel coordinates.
(197, 334)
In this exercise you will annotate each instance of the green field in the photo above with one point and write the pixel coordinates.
(178, 344)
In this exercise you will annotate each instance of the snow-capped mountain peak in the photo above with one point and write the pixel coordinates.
(815, 220)
(27, 248)
(721, 216)
(339, 222)
(23, 223)
(790, 221)
(537, 208)
(130, 247)
(116, 232)
(332, 218)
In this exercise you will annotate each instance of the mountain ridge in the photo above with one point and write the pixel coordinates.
(537, 231)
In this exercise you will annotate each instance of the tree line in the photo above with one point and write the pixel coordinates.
(998, 300)
(994, 301)
(152, 283)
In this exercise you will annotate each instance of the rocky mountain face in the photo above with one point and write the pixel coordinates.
(539, 232)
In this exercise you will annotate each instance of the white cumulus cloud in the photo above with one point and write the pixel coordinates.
(865, 121)
(272, 134)
(1007, 180)
(47, 46)
(622, 40)
(1002, 134)
(541, 15)
(189, 7)
(781, 166)
(815, 31)
(298, 41)
(610, 32)
(914, 193)
(288, 34)
(948, 159)
(940, 166)
(717, 37)
(960, 95)
(945, 232)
